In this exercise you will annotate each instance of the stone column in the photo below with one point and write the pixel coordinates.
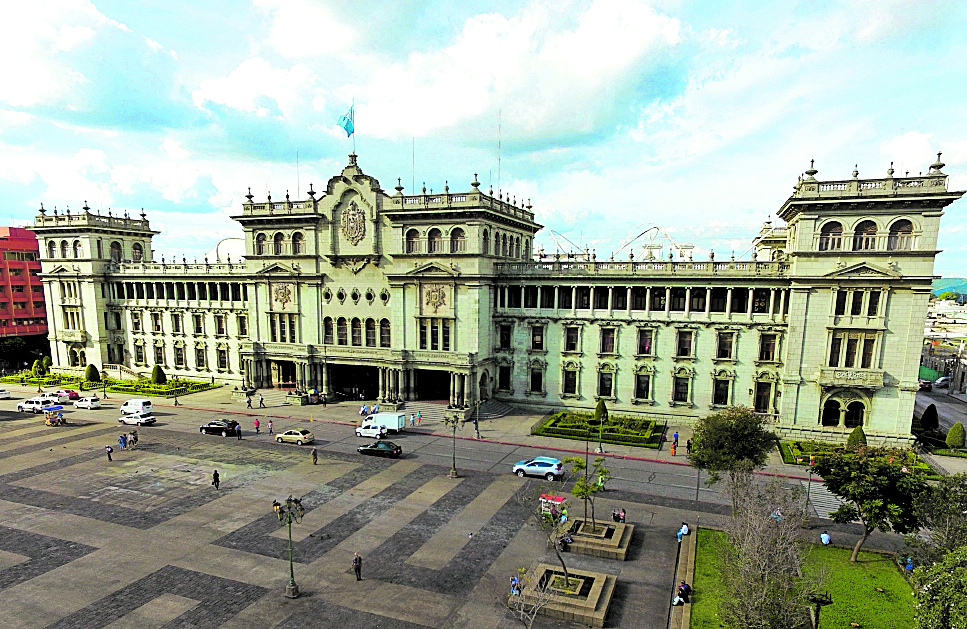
(574, 299)
(708, 301)
(728, 303)
(688, 301)
(325, 378)
(647, 300)
(382, 391)
(628, 300)
(610, 300)
(842, 416)
(772, 302)
(750, 294)
(782, 302)
(460, 381)
(453, 389)
(668, 300)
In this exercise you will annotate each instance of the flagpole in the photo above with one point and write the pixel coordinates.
(354, 124)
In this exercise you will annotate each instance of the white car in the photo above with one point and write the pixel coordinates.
(35, 405)
(137, 419)
(57, 398)
(371, 430)
(88, 402)
(4, 394)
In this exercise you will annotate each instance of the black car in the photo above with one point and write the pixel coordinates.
(223, 427)
(926, 385)
(381, 448)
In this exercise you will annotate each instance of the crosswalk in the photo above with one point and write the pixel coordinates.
(821, 500)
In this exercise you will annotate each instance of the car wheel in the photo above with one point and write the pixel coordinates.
(520, 473)
(279, 439)
(549, 477)
(298, 442)
(201, 430)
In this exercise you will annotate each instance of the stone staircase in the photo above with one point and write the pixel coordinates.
(273, 397)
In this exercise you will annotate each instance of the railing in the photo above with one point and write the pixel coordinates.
(930, 183)
(79, 220)
(866, 242)
(137, 268)
(641, 268)
(467, 200)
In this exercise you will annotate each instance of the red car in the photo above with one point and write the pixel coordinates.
(71, 395)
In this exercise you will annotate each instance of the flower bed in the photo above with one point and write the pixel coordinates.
(629, 431)
(167, 390)
(798, 453)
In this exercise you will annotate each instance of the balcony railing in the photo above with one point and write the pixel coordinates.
(642, 268)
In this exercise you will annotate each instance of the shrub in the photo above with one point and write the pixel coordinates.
(158, 375)
(46, 362)
(38, 368)
(929, 420)
(955, 437)
(91, 374)
(856, 438)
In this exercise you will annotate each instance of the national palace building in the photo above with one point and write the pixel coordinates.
(440, 296)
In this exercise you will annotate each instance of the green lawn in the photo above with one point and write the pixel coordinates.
(851, 586)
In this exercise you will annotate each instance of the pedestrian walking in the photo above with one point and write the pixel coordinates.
(324, 400)
(412, 420)
(375, 409)
(261, 401)
(122, 441)
(109, 450)
(675, 438)
(688, 446)
(419, 417)
(215, 479)
(824, 538)
(131, 441)
(248, 401)
(358, 566)
(238, 431)
(315, 456)
(256, 424)
(270, 426)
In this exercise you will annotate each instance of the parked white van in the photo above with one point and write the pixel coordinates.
(394, 422)
(369, 429)
(136, 406)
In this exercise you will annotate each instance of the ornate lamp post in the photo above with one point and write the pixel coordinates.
(291, 511)
(452, 422)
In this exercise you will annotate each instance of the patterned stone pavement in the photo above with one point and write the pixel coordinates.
(145, 541)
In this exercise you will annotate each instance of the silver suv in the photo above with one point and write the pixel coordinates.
(35, 405)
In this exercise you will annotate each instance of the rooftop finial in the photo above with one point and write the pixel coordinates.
(86, 209)
(856, 171)
(43, 212)
(399, 186)
(269, 194)
(889, 171)
(446, 187)
(937, 165)
(352, 159)
(475, 184)
(812, 170)
(311, 193)
(424, 187)
(287, 195)
(143, 217)
(250, 196)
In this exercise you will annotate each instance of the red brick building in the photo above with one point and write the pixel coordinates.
(22, 310)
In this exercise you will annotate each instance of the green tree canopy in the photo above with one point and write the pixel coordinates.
(877, 490)
(732, 439)
(158, 375)
(940, 588)
(856, 438)
(942, 511)
(38, 368)
(948, 295)
(91, 374)
(955, 436)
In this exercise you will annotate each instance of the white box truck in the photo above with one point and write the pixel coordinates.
(394, 422)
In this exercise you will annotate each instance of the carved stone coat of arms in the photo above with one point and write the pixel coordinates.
(353, 223)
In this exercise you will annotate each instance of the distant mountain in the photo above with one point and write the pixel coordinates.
(950, 285)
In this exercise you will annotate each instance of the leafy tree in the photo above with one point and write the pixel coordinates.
(876, 487)
(91, 374)
(588, 486)
(948, 295)
(732, 440)
(856, 438)
(762, 565)
(939, 591)
(955, 436)
(930, 420)
(158, 375)
(37, 368)
(551, 527)
(46, 362)
(942, 511)
(529, 597)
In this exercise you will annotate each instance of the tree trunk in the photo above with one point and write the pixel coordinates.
(567, 578)
(594, 525)
(859, 544)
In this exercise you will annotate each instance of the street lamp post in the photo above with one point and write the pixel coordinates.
(452, 421)
(291, 511)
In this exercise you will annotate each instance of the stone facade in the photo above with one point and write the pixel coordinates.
(438, 296)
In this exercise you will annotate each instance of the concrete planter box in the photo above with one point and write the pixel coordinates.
(589, 606)
(297, 400)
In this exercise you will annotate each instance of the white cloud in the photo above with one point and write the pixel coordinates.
(912, 151)
(254, 81)
(304, 29)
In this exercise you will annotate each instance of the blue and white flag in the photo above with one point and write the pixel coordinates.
(346, 122)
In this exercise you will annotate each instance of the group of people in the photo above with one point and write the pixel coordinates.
(125, 441)
(248, 401)
(682, 592)
(364, 410)
(258, 426)
(618, 515)
(416, 418)
(674, 448)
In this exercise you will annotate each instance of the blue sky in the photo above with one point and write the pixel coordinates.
(614, 115)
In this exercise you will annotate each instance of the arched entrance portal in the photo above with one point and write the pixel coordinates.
(283, 373)
(831, 413)
(855, 413)
(348, 381)
(432, 385)
(484, 387)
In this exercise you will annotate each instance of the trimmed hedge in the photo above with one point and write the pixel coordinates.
(793, 450)
(167, 390)
(948, 452)
(630, 431)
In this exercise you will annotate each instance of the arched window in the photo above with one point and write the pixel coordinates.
(279, 239)
(496, 244)
(137, 252)
(855, 412)
(384, 333)
(370, 333)
(527, 249)
(297, 243)
(51, 249)
(436, 241)
(830, 413)
(260, 245)
(341, 332)
(831, 237)
(504, 248)
(327, 331)
(901, 236)
(116, 251)
(413, 241)
(458, 241)
(486, 242)
(77, 248)
(357, 327)
(517, 247)
(864, 238)
(63, 248)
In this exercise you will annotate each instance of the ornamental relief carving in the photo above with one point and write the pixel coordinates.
(353, 223)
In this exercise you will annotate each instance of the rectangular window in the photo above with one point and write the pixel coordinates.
(639, 298)
(873, 307)
(681, 390)
(223, 359)
(200, 358)
(537, 337)
(370, 334)
(159, 355)
(292, 328)
(156, 322)
(513, 296)
(434, 335)
(677, 300)
(138, 354)
(243, 327)
(564, 298)
(149, 288)
(835, 347)
(502, 297)
(642, 386)
(685, 338)
(619, 298)
(760, 300)
(503, 377)
(273, 329)
(763, 397)
(658, 299)
(740, 299)
(605, 384)
(850, 360)
(503, 336)
(571, 337)
(607, 340)
(191, 290)
(220, 324)
(136, 321)
(537, 380)
(357, 332)
(423, 339)
(698, 300)
(530, 297)
(840, 302)
(857, 308)
(176, 323)
(282, 327)
(645, 340)
(570, 381)
(767, 347)
(726, 342)
(547, 297)
(199, 323)
(384, 333)
(867, 353)
(445, 335)
(584, 297)
(720, 392)
(601, 298)
(179, 356)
